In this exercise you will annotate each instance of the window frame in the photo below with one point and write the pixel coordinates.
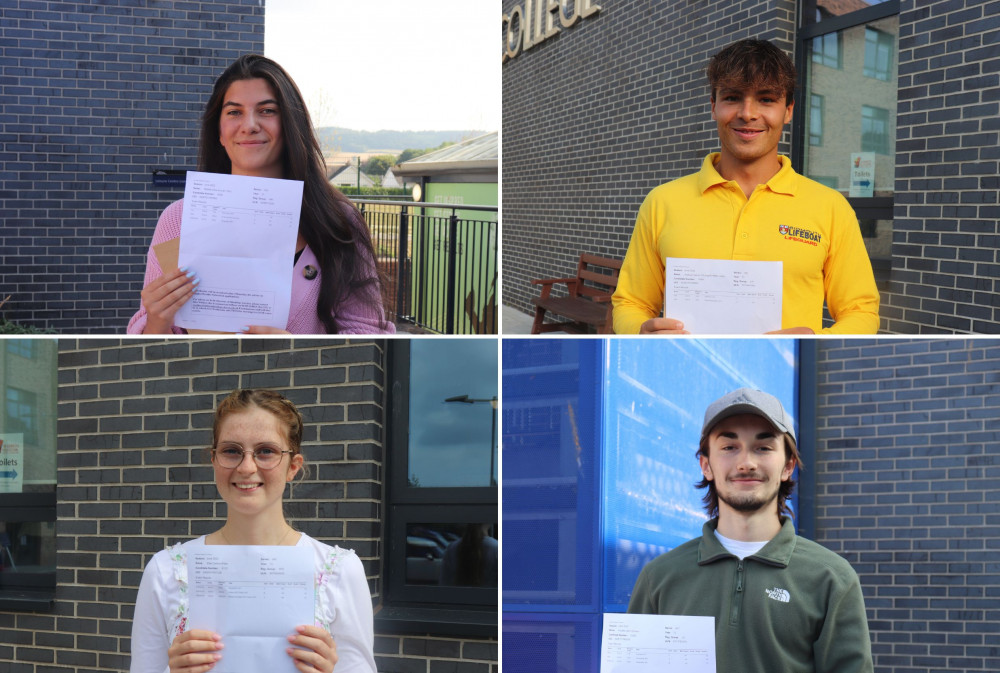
(816, 110)
(824, 59)
(807, 437)
(21, 591)
(873, 208)
(875, 116)
(25, 348)
(26, 399)
(28, 591)
(437, 610)
(881, 37)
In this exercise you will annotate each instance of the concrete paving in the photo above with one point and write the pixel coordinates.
(512, 321)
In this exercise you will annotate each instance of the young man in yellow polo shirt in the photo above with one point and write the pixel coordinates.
(746, 203)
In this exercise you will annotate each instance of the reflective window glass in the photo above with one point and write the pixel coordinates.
(27, 472)
(816, 11)
(442, 537)
(879, 48)
(856, 112)
(815, 119)
(874, 129)
(452, 554)
(826, 50)
(849, 131)
(878, 237)
(453, 412)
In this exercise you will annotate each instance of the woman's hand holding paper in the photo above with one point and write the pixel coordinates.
(319, 654)
(194, 652)
(163, 297)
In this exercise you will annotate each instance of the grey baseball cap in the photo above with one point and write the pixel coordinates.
(748, 401)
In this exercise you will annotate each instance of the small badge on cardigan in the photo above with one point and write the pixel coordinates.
(309, 272)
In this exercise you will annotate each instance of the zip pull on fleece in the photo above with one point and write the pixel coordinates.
(736, 611)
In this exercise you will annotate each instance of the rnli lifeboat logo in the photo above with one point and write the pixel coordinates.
(806, 236)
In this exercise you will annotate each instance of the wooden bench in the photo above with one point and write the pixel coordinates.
(589, 300)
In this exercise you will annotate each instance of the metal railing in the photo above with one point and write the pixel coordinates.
(439, 261)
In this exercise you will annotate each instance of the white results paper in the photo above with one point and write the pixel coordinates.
(723, 296)
(254, 597)
(238, 235)
(657, 643)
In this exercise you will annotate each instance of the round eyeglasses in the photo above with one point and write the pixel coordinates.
(232, 456)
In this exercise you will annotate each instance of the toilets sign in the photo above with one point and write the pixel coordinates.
(11, 463)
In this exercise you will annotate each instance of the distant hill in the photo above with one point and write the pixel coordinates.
(335, 138)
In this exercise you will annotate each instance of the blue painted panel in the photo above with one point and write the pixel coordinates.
(551, 643)
(655, 400)
(551, 459)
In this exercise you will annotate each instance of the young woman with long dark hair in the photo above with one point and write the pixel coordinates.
(256, 123)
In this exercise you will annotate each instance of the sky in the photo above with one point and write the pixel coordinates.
(450, 442)
(402, 65)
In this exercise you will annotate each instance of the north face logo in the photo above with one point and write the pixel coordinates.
(779, 595)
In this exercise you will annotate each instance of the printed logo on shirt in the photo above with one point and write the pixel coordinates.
(801, 235)
(779, 595)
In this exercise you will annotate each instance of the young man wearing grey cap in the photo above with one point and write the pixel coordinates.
(780, 602)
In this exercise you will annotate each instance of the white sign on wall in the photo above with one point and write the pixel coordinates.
(862, 175)
(11, 462)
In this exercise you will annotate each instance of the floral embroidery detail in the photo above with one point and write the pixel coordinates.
(324, 613)
(178, 558)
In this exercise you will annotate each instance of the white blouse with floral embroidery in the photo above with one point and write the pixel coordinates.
(343, 606)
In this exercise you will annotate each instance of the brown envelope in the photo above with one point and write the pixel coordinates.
(166, 254)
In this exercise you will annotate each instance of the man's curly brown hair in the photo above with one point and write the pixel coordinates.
(755, 65)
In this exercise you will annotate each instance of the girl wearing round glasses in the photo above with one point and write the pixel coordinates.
(255, 452)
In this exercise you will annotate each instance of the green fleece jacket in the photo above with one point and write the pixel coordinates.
(793, 607)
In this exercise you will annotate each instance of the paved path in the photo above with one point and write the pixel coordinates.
(513, 322)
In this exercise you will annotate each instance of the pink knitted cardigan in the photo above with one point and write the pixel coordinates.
(356, 315)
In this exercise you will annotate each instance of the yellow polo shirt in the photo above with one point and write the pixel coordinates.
(808, 227)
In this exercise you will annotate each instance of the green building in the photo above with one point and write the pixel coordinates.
(457, 175)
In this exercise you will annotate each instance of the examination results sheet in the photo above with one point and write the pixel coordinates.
(723, 296)
(656, 643)
(238, 234)
(254, 597)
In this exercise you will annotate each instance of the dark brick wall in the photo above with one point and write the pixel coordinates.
(405, 654)
(134, 418)
(600, 114)
(945, 248)
(94, 96)
(907, 471)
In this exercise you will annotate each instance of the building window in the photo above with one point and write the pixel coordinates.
(864, 37)
(879, 47)
(442, 537)
(24, 348)
(826, 50)
(22, 410)
(874, 129)
(815, 119)
(28, 475)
